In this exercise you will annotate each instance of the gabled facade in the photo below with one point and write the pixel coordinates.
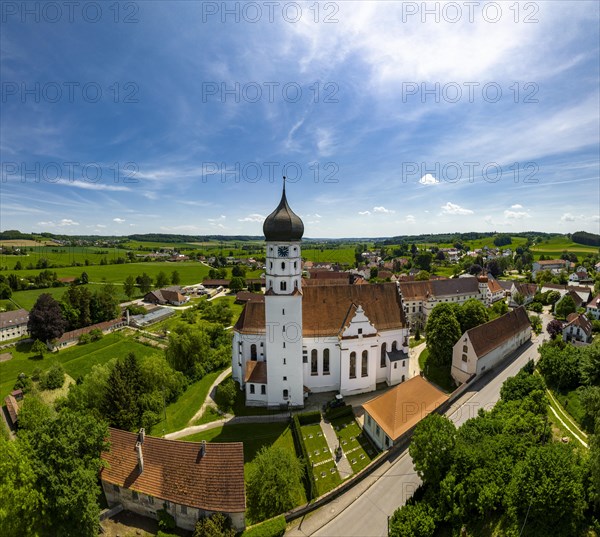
(577, 328)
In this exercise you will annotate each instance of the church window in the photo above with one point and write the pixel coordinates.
(368, 420)
(352, 365)
(271, 264)
(283, 286)
(253, 352)
(284, 379)
(395, 365)
(465, 348)
(394, 346)
(263, 390)
(251, 388)
(284, 344)
(360, 331)
(377, 430)
(314, 362)
(304, 355)
(464, 357)
(383, 353)
(282, 266)
(403, 377)
(283, 311)
(284, 362)
(295, 264)
(365, 364)
(283, 328)
(296, 284)
(286, 394)
(326, 362)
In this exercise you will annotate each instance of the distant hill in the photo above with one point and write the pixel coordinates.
(583, 237)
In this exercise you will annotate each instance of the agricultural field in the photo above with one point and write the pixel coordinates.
(554, 246)
(77, 360)
(487, 241)
(331, 255)
(61, 255)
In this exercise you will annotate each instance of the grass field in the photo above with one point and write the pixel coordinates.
(182, 411)
(77, 360)
(356, 446)
(337, 255)
(554, 246)
(62, 255)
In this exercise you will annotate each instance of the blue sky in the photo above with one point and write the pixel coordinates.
(390, 115)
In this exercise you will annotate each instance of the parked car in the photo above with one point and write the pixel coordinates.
(337, 401)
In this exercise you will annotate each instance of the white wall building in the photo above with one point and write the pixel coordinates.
(486, 346)
(13, 324)
(316, 338)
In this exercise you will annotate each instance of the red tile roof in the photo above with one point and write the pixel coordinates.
(12, 407)
(256, 372)
(486, 337)
(398, 409)
(178, 471)
(580, 320)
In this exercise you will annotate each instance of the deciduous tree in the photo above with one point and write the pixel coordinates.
(46, 322)
(443, 331)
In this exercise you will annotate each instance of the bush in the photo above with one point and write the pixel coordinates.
(226, 394)
(307, 418)
(536, 306)
(136, 310)
(165, 520)
(96, 334)
(339, 412)
(269, 528)
(54, 378)
(84, 339)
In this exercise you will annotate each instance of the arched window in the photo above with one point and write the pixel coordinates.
(286, 394)
(282, 266)
(403, 377)
(383, 353)
(352, 374)
(364, 371)
(283, 286)
(314, 362)
(251, 388)
(326, 362)
(253, 352)
(394, 346)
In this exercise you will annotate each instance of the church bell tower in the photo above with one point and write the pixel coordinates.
(283, 231)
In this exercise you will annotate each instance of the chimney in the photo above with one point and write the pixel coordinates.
(141, 435)
(140, 456)
(203, 448)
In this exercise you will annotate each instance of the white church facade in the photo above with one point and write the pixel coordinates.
(344, 338)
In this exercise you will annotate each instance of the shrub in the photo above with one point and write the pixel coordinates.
(165, 520)
(274, 527)
(536, 306)
(96, 334)
(226, 394)
(54, 378)
(84, 339)
(306, 418)
(339, 412)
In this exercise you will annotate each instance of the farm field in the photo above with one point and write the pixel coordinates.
(556, 245)
(61, 255)
(77, 360)
(487, 241)
(330, 255)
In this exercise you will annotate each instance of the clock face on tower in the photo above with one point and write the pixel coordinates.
(283, 251)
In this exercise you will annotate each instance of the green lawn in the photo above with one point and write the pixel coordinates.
(315, 443)
(439, 375)
(77, 360)
(356, 446)
(344, 255)
(327, 477)
(571, 402)
(182, 411)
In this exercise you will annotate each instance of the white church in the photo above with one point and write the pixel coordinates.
(344, 338)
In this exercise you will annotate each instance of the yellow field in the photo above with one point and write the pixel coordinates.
(27, 242)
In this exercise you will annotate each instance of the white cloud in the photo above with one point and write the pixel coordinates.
(410, 219)
(252, 218)
(100, 225)
(383, 210)
(119, 220)
(219, 219)
(364, 213)
(516, 206)
(325, 141)
(453, 208)
(516, 215)
(567, 217)
(428, 179)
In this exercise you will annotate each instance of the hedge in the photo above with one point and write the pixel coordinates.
(274, 527)
(309, 479)
(307, 418)
(339, 412)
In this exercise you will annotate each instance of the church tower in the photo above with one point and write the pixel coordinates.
(283, 231)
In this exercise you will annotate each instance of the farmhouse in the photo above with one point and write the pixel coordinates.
(189, 480)
(72, 337)
(13, 324)
(577, 328)
(392, 414)
(166, 296)
(487, 345)
(553, 265)
(317, 338)
(592, 310)
(525, 290)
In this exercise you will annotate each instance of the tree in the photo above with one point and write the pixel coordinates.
(226, 394)
(536, 323)
(239, 270)
(46, 322)
(121, 401)
(5, 291)
(236, 284)
(472, 313)
(494, 267)
(590, 364)
(145, 283)
(274, 482)
(188, 350)
(104, 305)
(129, 287)
(54, 378)
(443, 331)
(554, 328)
(162, 280)
(520, 386)
(413, 521)
(565, 306)
(217, 525)
(423, 261)
(77, 306)
(84, 279)
(560, 367)
(518, 298)
(39, 349)
(547, 490)
(175, 277)
(431, 448)
(422, 275)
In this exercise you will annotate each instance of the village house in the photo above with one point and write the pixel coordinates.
(390, 415)
(72, 337)
(485, 346)
(526, 290)
(555, 266)
(584, 293)
(562, 289)
(577, 329)
(189, 480)
(166, 296)
(580, 277)
(13, 324)
(592, 310)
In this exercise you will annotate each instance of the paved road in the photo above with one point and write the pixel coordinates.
(364, 512)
